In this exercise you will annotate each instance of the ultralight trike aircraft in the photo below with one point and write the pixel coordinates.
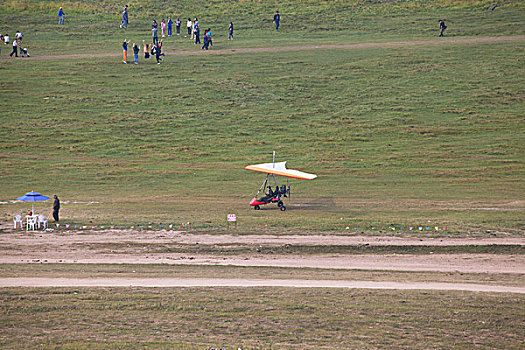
(277, 195)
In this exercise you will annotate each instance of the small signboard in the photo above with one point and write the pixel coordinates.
(232, 218)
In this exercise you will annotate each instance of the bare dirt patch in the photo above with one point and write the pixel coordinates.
(131, 246)
(216, 282)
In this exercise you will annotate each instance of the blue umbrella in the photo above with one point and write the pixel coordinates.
(33, 197)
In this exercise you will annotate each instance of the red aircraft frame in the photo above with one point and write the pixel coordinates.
(277, 195)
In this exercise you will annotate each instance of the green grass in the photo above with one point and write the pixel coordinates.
(253, 318)
(401, 136)
(94, 26)
(198, 271)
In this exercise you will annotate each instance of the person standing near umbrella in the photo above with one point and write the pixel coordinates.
(56, 207)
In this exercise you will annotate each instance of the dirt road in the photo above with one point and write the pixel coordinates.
(465, 263)
(138, 247)
(217, 282)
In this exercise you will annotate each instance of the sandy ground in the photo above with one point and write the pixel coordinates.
(441, 41)
(90, 247)
(465, 263)
(216, 282)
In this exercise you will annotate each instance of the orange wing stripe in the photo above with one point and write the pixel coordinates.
(275, 172)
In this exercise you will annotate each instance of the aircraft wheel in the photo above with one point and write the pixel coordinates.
(256, 207)
(280, 204)
(283, 208)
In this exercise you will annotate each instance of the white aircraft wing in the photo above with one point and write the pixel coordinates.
(280, 169)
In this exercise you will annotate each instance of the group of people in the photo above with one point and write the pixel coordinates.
(155, 49)
(17, 44)
(169, 26)
(149, 50)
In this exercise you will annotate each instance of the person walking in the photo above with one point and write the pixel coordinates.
(124, 23)
(125, 48)
(177, 24)
(189, 26)
(208, 31)
(170, 24)
(276, 19)
(206, 41)
(163, 28)
(158, 52)
(61, 16)
(56, 207)
(230, 31)
(197, 35)
(442, 27)
(15, 48)
(154, 28)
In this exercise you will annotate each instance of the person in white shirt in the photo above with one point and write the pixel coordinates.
(6, 39)
(18, 37)
(189, 25)
(15, 49)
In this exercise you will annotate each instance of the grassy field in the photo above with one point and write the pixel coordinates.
(397, 136)
(400, 136)
(417, 135)
(198, 271)
(256, 318)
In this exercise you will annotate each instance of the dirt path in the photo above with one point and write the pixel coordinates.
(216, 282)
(393, 44)
(465, 263)
(139, 247)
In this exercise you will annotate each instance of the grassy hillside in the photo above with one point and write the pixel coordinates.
(406, 135)
(93, 26)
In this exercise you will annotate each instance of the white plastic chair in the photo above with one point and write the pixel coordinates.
(31, 222)
(42, 219)
(18, 219)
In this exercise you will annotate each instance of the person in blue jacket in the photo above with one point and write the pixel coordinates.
(124, 23)
(276, 19)
(197, 34)
(170, 24)
(61, 16)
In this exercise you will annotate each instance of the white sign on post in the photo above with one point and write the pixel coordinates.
(232, 218)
